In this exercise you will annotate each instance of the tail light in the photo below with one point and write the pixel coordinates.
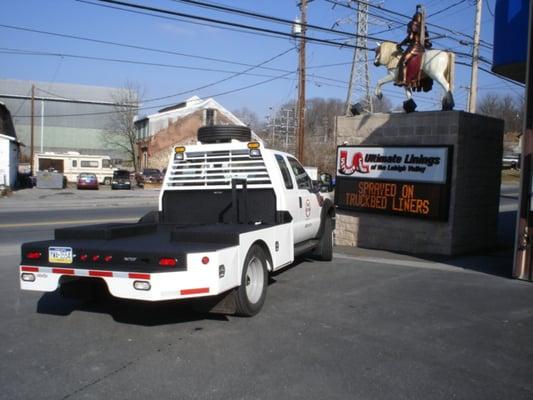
(108, 258)
(205, 260)
(167, 262)
(84, 257)
(96, 257)
(33, 255)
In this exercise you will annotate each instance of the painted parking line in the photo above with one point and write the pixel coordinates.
(69, 222)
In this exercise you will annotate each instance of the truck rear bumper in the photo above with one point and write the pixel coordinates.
(129, 285)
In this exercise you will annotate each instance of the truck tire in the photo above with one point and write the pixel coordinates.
(107, 181)
(250, 295)
(224, 133)
(324, 250)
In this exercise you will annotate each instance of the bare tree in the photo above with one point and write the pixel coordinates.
(506, 107)
(248, 117)
(121, 134)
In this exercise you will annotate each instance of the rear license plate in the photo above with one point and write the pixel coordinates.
(60, 255)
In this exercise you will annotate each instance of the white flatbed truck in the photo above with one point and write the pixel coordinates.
(230, 212)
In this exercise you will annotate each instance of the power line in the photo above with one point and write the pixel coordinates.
(446, 8)
(254, 14)
(171, 104)
(144, 48)
(212, 20)
(396, 13)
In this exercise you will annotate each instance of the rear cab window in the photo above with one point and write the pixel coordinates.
(284, 171)
(302, 179)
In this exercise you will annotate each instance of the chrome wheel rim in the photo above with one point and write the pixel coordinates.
(255, 280)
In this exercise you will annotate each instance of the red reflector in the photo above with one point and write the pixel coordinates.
(194, 291)
(205, 260)
(101, 273)
(108, 258)
(29, 269)
(33, 255)
(84, 257)
(133, 275)
(96, 257)
(64, 271)
(167, 262)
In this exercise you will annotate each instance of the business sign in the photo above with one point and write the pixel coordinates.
(409, 181)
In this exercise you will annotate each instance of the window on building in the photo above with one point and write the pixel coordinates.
(284, 171)
(74, 163)
(302, 179)
(89, 164)
(210, 115)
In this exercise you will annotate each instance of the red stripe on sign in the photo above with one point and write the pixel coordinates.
(64, 271)
(101, 273)
(133, 275)
(29, 269)
(195, 291)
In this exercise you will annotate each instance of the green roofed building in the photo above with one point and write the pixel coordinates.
(67, 117)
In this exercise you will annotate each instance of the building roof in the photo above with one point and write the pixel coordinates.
(166, 116)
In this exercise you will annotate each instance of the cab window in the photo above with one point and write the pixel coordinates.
(302, 179)
(284, 171)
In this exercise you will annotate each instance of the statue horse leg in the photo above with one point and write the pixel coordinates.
(409, 105)
(390, 77)
(435, 70)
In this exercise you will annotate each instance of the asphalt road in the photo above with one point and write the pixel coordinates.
(346, 329)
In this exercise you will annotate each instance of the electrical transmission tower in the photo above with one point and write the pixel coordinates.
(359, 85)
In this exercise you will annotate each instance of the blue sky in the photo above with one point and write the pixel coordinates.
(87, 20)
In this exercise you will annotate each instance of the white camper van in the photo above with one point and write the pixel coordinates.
(72, 163)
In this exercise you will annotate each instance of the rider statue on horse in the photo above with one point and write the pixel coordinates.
(418, 67)
(417, 41)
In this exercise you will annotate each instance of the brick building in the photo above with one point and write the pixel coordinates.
(158, 133)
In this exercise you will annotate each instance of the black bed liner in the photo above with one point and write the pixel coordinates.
(139, 246)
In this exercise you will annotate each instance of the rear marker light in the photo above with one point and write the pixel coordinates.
(167, 262)
(96, 258)
(205, 260)
(33, 255)
(108, 258)
(27, 277)
(142, 285)
(84, 257)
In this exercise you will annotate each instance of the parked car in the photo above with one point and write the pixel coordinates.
(149, 175)
(87, 181)
(121, 180)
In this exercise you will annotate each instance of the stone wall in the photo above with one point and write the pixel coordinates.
(475, 186)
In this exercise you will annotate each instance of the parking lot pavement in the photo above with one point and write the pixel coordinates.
(36, 199)
(346, 329)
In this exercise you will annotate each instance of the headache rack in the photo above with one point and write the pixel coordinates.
(216, 169)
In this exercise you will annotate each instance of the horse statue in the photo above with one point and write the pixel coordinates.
(437, 65)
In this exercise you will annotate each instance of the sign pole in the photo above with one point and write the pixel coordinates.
(522, 268)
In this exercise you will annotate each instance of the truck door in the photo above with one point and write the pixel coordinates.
(309, 208)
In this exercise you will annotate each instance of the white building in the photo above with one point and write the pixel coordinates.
(9, 149)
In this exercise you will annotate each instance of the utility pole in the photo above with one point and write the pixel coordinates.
(475, 58)
(301, 82)
(32, 127)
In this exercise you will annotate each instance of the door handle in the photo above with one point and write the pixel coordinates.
(299, 198)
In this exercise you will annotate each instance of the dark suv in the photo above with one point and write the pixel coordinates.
(149, 175)
(121, 180)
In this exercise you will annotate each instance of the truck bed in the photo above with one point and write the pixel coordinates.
(138, 247)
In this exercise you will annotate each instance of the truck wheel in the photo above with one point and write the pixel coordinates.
(251, 294)
(107, 181)
(224, 133)
(324, 251)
